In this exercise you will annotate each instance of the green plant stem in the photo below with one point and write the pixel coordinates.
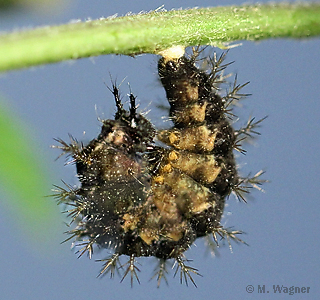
(156, 31)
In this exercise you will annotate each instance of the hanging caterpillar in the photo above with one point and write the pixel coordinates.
(138, 197)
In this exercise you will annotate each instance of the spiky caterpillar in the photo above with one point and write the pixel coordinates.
(140, 199)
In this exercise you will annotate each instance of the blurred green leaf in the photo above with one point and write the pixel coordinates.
(23, 177)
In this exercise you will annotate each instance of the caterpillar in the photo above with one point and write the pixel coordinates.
(147, 192)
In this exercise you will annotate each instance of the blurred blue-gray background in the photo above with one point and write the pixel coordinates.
(281, 224)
